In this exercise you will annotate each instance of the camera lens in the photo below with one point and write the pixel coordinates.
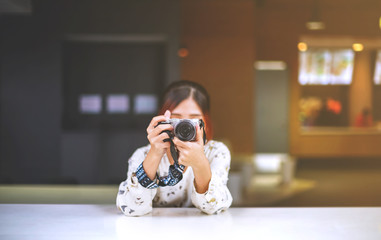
(185, 131)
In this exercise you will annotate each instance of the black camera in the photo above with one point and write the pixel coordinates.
(184, 129)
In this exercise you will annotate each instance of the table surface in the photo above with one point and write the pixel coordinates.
(50, 221)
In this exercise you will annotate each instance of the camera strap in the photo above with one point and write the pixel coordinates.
(175, 171)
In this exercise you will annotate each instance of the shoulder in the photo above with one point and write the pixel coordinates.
(143, 149)
(214, 146)
(140, 153)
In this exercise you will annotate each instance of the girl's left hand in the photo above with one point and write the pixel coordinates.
(192, 153)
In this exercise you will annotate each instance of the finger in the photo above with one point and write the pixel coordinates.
(167, 114)
(160, 129)
(159, 141)
(179, 143)
(162, 137)
(158, 138)
(154, 122)
(199, 135)
(183, 146)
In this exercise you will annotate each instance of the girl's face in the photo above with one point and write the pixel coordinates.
(187, 109)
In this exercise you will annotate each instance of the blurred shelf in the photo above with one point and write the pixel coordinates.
(311, 131)
(267, 190)
(58, 194)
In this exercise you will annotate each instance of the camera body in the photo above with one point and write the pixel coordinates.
(184, 129)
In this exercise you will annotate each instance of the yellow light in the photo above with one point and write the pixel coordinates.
(302, 46)
(315, 25)
(380, 23)
(357, 47)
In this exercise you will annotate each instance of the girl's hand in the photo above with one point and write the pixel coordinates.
(156, 134)
(156, 138)
(192, 153)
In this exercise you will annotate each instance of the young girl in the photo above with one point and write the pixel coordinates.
(196, 175)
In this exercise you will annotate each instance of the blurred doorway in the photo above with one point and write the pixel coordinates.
(271, 111)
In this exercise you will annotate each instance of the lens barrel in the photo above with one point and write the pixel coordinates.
(185, 130)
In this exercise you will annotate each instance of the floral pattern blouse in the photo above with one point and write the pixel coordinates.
(135, 200)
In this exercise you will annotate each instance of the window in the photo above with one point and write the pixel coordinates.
(145, 104)
(111, 85)
(90, 104)
(118, 103)
(322, 66)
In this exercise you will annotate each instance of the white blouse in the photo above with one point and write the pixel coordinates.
(135, 200)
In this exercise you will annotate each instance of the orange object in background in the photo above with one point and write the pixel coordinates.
(334, 106)
(183, 52)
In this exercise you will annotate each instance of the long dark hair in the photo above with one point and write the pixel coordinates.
(179, 91)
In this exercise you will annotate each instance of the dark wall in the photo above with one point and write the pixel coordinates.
(34, 147)
(30, 96)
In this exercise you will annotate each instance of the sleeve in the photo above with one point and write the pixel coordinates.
(133, 199)
(217, 198)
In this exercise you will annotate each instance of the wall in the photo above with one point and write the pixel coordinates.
(224, 39)
(30, 97)
(34, 148)
(280, 25)
(220, 38)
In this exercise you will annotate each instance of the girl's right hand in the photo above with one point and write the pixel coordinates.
(156, 134)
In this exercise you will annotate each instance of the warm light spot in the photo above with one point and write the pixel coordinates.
(302, 46)
(270, 65)
(315, 25)
(357, 47)
(183, 52)
(379, 22)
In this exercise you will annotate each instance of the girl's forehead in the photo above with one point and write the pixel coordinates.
(187, 106)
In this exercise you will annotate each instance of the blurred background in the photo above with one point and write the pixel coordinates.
(295, 88)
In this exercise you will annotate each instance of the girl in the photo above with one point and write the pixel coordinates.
(202, 164)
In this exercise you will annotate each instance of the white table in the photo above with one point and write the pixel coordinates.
(33, 221)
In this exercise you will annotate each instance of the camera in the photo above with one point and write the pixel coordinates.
(184, 129)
